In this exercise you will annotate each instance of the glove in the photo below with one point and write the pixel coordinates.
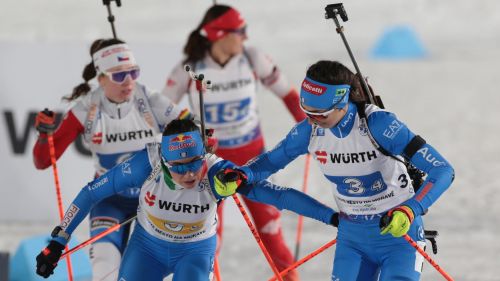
(335, 220)
(228, 180)
(47, 260)
(45, 121)
(397, 221)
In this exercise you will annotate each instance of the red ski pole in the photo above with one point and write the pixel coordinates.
(300, 222)
(97, 237)
(428, 258)
(60, 207)
(306, 258)
(217, 269)
(257, 237)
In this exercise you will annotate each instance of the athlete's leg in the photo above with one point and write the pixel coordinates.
(400, 260)
(139, 263)
(194, 261)
(350, 264)
(106, 253)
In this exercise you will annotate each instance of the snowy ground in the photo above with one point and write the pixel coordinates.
(450, 98)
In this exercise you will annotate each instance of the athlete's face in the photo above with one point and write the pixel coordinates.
(114, 90)
(232, 43)
(189, 179)
(326, 121)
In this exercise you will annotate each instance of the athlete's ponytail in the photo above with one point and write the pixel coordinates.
(89, 71)
(197, 45)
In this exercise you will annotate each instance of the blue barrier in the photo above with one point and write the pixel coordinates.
(397, 43)
(23, 264)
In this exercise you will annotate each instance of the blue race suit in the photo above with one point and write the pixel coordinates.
(365, 185)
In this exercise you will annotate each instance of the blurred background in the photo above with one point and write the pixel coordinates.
(435, 64)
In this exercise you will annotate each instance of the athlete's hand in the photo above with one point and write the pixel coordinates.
(228, 180)
(397, 221)
(47, 260)
(45, 121)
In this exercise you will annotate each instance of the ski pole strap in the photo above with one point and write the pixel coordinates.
(431, 236)
(413, 146)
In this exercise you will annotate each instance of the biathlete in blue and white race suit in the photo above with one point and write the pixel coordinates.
(115, 119)
(176, 219)
(373, 192)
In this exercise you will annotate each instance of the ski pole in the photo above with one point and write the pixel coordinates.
(201, 83)
(111, 18)
(257, 237)
(332, 11)
(306, 258)
(97, 237)
(217, 270)
(427, 257)
(52, 152)
(301, 218)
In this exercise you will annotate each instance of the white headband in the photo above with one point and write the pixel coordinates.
(112, 56)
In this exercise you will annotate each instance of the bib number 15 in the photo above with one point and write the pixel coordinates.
(227, 112)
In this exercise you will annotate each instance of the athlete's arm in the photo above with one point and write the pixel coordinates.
(68, 131)
(176, 85)
(287, 198)
(394, 136)
(130, 173)
(295, 144)
(272, 78)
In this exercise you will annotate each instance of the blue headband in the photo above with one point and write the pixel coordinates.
(182, 146)
(323, 96)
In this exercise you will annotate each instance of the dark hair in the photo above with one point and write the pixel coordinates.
(178, 126)
(335, 73)
(197, 45)
(89, 71)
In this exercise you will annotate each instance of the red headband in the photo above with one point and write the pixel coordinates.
(219, 27)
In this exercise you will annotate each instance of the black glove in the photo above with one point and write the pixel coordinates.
(228, 180)
(45, 121)
(335, 220)
(47, 260)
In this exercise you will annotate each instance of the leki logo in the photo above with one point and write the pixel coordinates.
(97, 138)
(181, 138)
(321, 156)
(313, 88)
(150, 198)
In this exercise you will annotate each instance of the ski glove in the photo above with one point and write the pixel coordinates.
(45, 121)
(47, 260)
(228, 180)
(397, 221)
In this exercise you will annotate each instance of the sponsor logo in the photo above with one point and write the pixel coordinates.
(69, 216)
(182, 207)
(113, 51)
(355, 157)
(321, 156)
(182, 141)
(313, 88)
(128, 136)
(231, 85)
(319, 132)
(393, 129)
(429, 157)
(340, 92)
(97, 138)
(150, 198)
(347, 120)
(98, 184)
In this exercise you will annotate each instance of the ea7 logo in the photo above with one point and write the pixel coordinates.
(321, 156)
(150, 198)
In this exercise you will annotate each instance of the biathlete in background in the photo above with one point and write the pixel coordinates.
(373, 191)
(216, 49)
(116, 119)
(180, 186)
